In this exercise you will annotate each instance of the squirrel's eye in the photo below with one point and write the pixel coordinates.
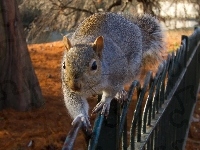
(94, 66)
(64, 65)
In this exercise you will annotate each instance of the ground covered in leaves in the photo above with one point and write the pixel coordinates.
(46, 128)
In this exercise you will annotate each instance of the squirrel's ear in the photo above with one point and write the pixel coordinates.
(98, 46)
(67, 43)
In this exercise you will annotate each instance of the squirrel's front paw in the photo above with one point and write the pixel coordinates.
(103, 106)
(85, 121)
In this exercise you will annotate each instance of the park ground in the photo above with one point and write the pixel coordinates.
(45, 128)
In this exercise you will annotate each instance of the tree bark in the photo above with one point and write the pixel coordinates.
(19, 87)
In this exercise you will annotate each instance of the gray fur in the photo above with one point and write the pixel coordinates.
(127, 41)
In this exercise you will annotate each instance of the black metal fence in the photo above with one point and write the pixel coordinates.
(162, 114)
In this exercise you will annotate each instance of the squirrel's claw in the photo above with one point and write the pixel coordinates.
(103, 106)
(97, 107)
(121, 96)
(85, 121)
(105, 109)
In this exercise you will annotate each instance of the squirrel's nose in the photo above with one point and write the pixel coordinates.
(75, 85)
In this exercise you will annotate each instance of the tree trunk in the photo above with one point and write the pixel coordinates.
(19, 87)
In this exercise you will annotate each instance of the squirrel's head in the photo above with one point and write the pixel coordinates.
(82, 65)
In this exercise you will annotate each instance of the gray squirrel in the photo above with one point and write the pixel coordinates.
(105, 52)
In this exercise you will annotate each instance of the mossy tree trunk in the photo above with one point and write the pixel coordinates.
(19, 87)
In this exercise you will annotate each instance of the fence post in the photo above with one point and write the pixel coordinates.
(108, 135)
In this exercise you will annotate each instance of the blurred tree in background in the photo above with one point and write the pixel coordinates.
(42, 17)
(19, 87)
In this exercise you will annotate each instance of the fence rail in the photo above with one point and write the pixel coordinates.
(162, 123)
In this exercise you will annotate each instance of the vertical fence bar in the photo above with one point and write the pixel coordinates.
(96, 132)
(124, 136)
(148, 104)
(108, 134)
(123, 118)
(71, 137)
(137, 113)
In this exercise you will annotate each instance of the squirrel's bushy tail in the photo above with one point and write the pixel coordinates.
(152, 34)
(152, 37)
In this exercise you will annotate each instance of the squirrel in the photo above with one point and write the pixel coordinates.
(104, 53)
